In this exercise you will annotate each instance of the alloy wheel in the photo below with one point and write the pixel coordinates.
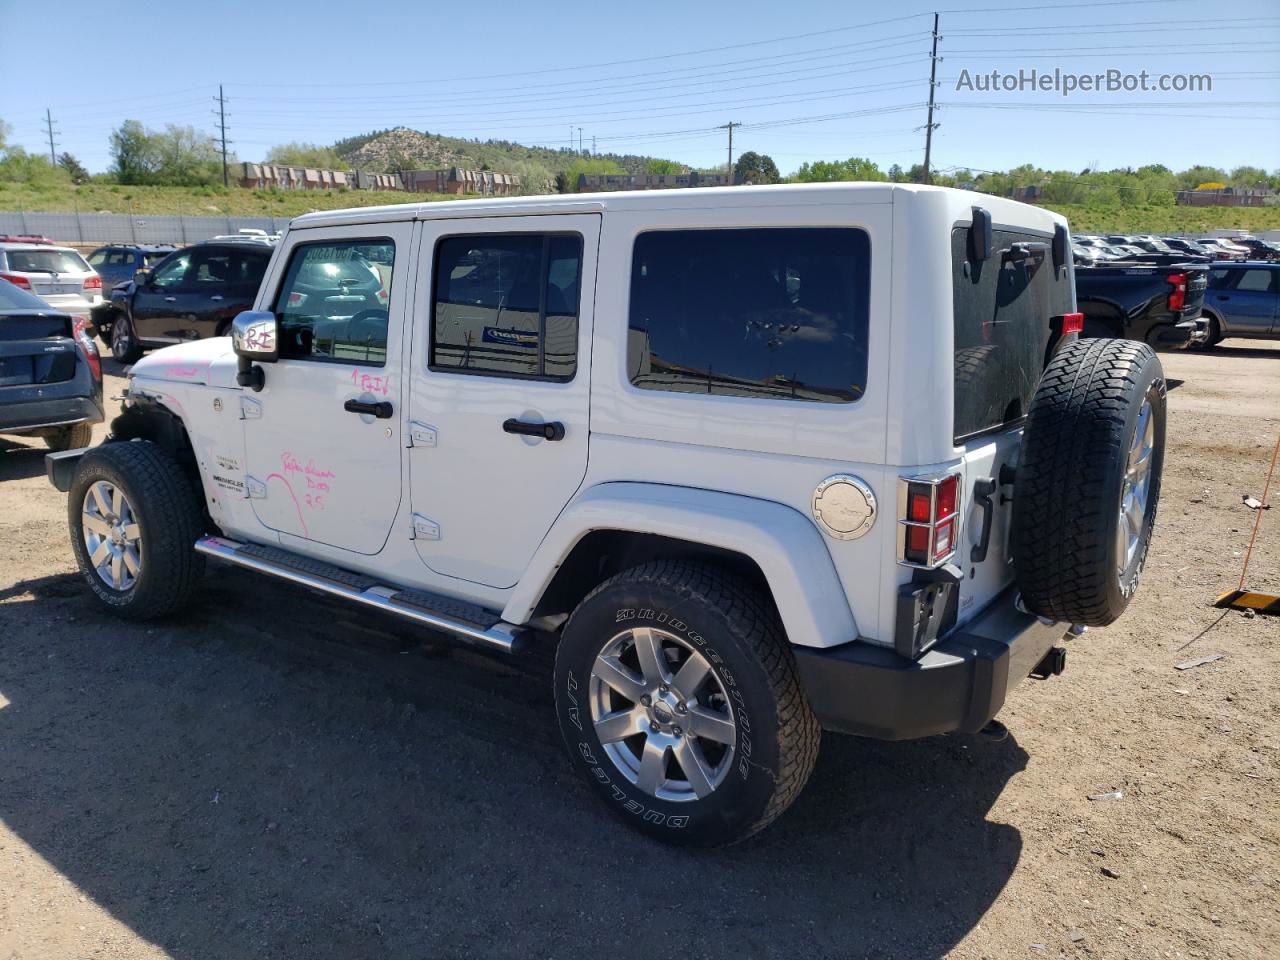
(1136, 491)
(112, 537)
(662, 715)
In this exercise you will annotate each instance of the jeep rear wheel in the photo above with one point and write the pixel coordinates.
(678, 700)
(134, 520)
(1088, 481)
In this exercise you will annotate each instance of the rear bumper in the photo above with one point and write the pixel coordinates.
(49, 412)
(959, 684)
(1175, 336)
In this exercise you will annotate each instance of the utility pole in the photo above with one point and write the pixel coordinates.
(933, 85)
(48, 125)
(593, 146)
(580, 150)
(222, 128)
(729, 126)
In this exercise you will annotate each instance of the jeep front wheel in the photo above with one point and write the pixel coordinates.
(678, 700)
(134, 520)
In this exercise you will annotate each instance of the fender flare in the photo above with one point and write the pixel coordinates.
(783, 543)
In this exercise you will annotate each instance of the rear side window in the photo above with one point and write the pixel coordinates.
(767, 313)
(333, 304)
(507, 305)
(1258, 281)
(1003, 307)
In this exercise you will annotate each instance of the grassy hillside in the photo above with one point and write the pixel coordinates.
(190, 201)
(211, 201)
(1166, 219)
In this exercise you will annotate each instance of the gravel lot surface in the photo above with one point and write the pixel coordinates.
(275, 775)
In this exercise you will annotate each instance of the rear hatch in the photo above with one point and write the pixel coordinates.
(56, 276)
(1007, 312)
(36, 348)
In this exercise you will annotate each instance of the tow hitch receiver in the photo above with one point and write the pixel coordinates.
(1053, 663)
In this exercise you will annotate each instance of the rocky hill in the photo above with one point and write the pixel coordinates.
(384, 151)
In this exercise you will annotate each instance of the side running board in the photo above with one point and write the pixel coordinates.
(465, 620)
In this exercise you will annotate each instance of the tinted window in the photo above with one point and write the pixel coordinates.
(46, 261)
(1003, 308)
(98, 257)
(778, 313)
(172, 272)
(333, 303)
(507, 305)
(1258, 281)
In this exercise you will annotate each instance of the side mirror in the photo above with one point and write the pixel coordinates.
(254, 336)
(142, 277)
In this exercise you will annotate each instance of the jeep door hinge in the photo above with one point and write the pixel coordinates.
(250, 409)
(425, 528)
(421, 434)
(254, 489)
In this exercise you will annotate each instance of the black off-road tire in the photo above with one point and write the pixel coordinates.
(124, 342)
(170, 518)
(70, 438)
(1070, 478)
(723, 617)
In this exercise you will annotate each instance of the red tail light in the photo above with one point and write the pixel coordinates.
(16, 280)
(929, 520)
(1178, 296)
(93, 283)
(87, 347)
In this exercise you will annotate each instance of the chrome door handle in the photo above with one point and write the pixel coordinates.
(170, 299)
(216, 296)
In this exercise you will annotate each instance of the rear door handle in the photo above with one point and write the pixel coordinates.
(170, 299)
(1221, 297)
(547, 431)
(381, 409)
(216, 296)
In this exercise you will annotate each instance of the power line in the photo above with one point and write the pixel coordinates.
(933, 86)
(221, 100)
(48, 125)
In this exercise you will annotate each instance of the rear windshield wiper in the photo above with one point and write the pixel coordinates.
(1024, 250)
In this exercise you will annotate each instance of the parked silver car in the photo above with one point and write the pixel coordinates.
(57, 275)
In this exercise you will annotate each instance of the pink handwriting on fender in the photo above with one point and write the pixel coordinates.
(370, 383)
(317, 478)
(185, 372)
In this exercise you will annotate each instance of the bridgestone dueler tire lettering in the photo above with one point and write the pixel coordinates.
(170, 518)
(1066, 502)
(726, 620)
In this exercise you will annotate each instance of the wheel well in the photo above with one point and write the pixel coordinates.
(144, 419)
(602, 553)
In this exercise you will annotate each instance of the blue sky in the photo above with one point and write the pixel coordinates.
(808, 79)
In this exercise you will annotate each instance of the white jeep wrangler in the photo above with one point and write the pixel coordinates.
(756, 461)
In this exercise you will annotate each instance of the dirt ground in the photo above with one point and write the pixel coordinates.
(275, 775)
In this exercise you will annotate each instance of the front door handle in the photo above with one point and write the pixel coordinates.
(1223, 297)
(547, 431)
(216, 296)
(170, 299)
(381, 409)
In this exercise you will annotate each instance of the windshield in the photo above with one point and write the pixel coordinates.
(1003, 310)
(46, 261)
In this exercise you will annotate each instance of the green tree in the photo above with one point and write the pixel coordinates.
(1248, 177)
(755, 167)
(895, 173)
(654, 165)
(178, 156)
(305, 155)
(133, 155)
(75, 170)
(567, 179)
(855, 168)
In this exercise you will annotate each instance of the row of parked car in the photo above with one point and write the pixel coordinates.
(1089, 250)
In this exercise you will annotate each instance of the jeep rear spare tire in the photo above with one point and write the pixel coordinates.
(679, 702)
(1088, 481)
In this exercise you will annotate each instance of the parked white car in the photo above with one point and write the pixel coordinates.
(57, 275)
(755, 461)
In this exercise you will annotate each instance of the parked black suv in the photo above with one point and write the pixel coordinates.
(191, 294)
(50, 372)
